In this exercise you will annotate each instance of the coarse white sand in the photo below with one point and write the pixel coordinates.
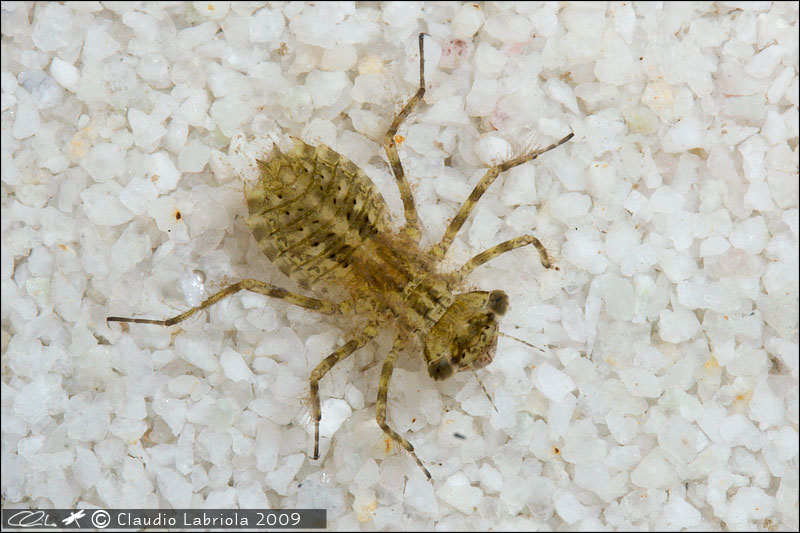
(664, 392)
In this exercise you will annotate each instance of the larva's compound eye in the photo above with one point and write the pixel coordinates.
(440, 369)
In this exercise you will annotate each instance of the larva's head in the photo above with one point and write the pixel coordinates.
(465, 338)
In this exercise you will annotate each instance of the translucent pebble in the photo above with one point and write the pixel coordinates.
(568, 507)
(666, 200)
(192, 287)
(491, 478)
(182, 385)
(482, 97)
(448, 111)
(86, 467)
(86, 419)
(326, 88)
(489, 61)
(677, 326)
(334, 413)
(678, 438)
(221, 499)
(26, 123)
(196, 350)
(194, 107)
(750, 235)
(279, 478)
(484, 228)
(507, 26)
(559, 415)
(401, 15)
(706, 295)
(66, 74)
(552, 382)
(251, 496)
(59, 490)
(763, 63)
(492, 149)
(138, 194)
(713, 246)
(583, 249)
(559, 91)
(45, 91)
(458, 492)
(176, 489)
(212, 10)
(420, 495)
(786, 442)
(30, 404)
(641, 383)
(54, 23)
(655, 471)
(98, 44)
(193, 156)
(683, 136)
(750, 503)
(677, 265)
(340, 57)
(738, 430)
(234, 366)
(623, 428)
(102, 206)
(368, 474)
(130, 431)
(618, 295)
(604, 131)
(165, 173)
(568, 206)
(467, 21)
(228, 113)
(147, 132)
(780, 277)
(678, 515)
(369, 88)
(105, 162)
(266, 26)
(131, 247)
(766, 407)
(620, 240)
(177, 132)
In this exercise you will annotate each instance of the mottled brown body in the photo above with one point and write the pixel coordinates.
(323, 223)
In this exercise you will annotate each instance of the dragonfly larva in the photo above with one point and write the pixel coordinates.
(322, 222)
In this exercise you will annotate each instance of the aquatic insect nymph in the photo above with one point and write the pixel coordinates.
(322, 222)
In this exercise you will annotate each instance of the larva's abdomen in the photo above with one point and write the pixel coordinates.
(311, 210)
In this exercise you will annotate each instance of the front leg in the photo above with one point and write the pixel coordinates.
(383, 392)
(440, 249)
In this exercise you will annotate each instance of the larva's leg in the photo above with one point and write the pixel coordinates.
(504, 247)
(328, 363)
(253, 285)
(412, 227)
(383, 391)
(440, 249)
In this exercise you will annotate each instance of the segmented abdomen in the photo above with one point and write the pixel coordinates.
(311, 211)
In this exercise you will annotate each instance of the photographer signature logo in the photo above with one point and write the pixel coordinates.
(26, 518)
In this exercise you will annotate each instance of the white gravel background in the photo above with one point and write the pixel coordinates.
(664, 394)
